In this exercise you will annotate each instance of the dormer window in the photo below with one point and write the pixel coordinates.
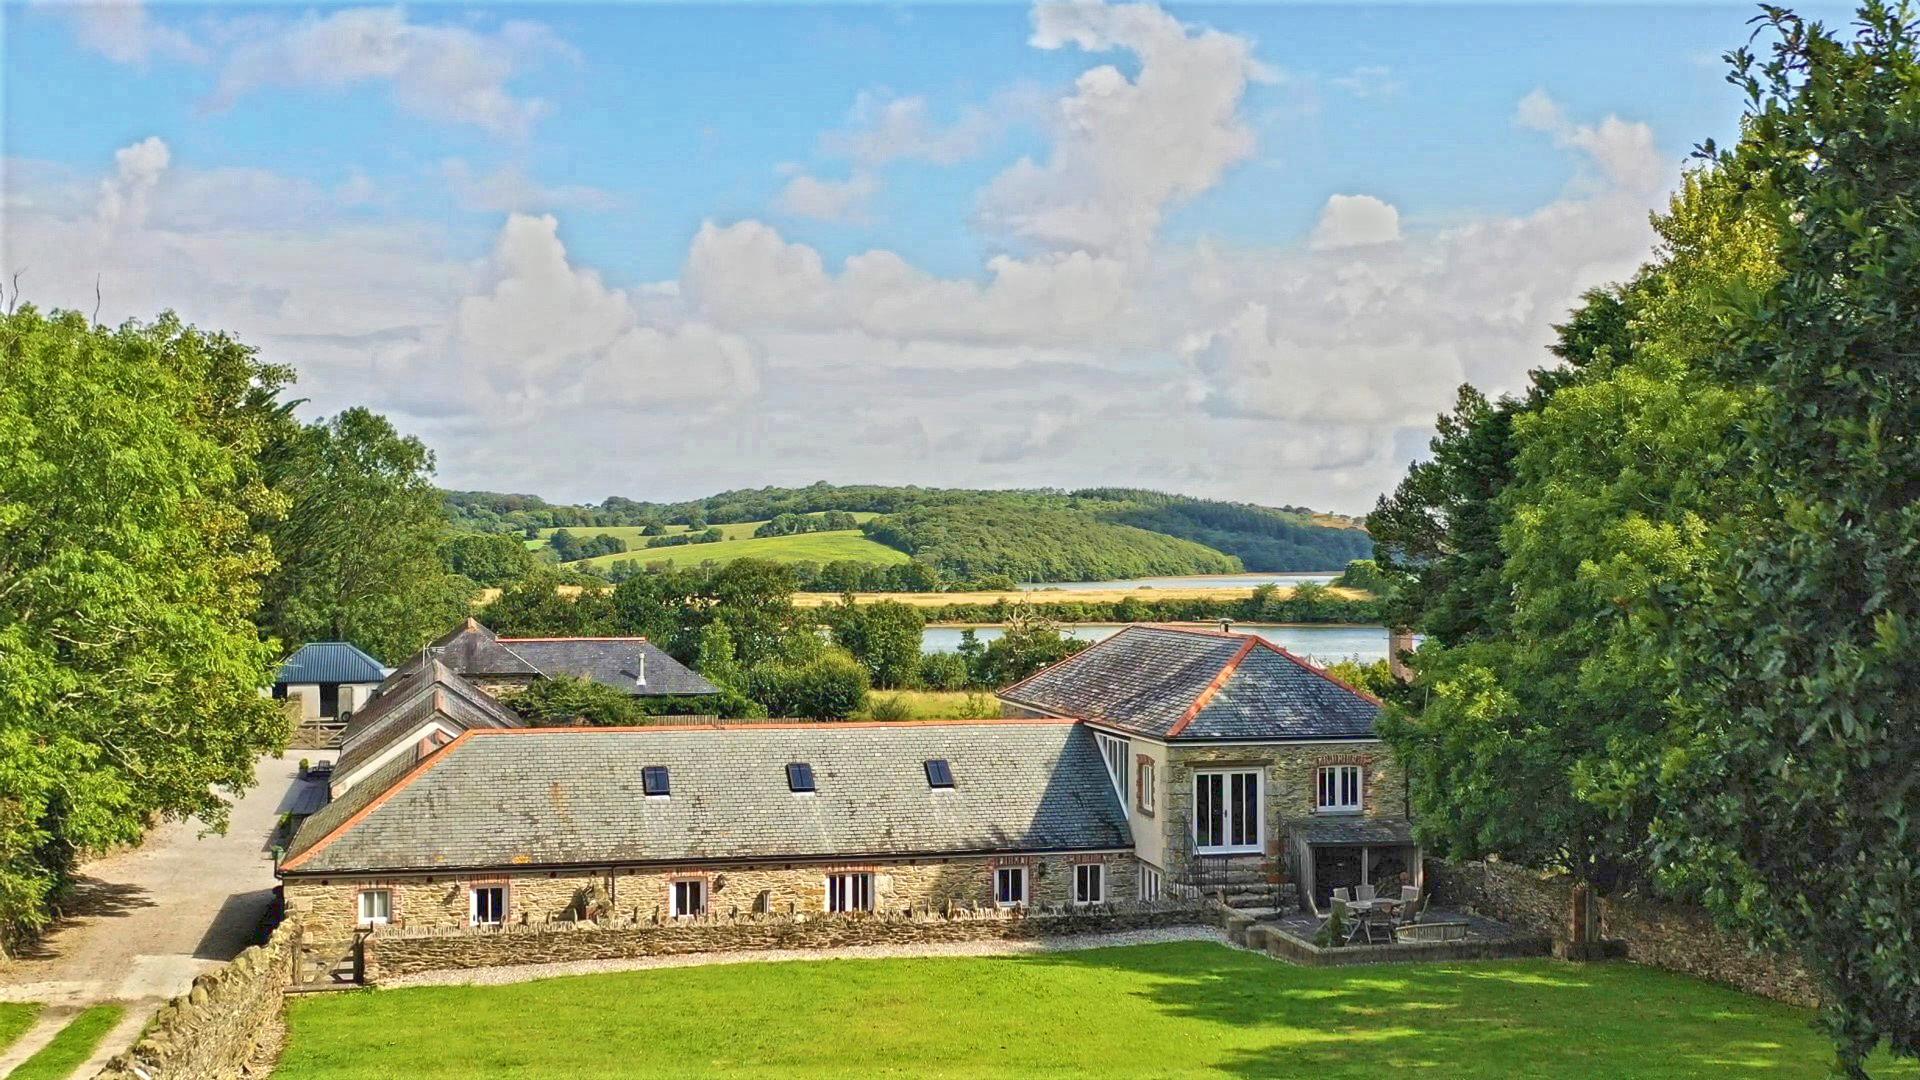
(939, 773)
(653, 781)
(800, 778)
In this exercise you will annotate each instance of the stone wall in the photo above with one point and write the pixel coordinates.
(228, 1026)
(329, 906)
(1663, 935)
(391, 953)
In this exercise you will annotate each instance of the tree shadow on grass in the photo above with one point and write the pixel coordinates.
(1478, 1019)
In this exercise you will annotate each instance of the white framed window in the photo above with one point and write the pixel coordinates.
(1010, 886)
(1149, 776)
(1226, 811)
(1114, 750)
(689, 898)
(488, 905)
(376, 907)
(1089, 883)
(1339, 789)
(849, 892)
(1149, 883)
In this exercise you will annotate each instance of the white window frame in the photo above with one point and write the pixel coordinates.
(1114, 751)
(698, 886)
(1092, 873)
(384, 918)
(850, 891)
(473, 905)
(1148, 778)
(1334, 780)
(1018, 874)
(1149, 883)
(1230, 817)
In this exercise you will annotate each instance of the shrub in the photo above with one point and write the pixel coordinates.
(890, 707)
(830, 686)
(944, 671)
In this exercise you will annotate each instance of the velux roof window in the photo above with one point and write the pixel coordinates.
(939, 774)
(800, 777)
(653, 780)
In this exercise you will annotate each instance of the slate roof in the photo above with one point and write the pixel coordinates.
(1357, 831)
(329, 662)
(1186, 684)
(617, 662)
(572, 796)
(410, 698)
(477, 652)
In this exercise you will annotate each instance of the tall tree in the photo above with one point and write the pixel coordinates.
(359, 547)
(1804, 774)
(129, 567)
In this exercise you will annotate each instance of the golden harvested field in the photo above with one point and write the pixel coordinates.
(1054, 596)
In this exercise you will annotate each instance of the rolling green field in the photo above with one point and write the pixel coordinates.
(822, 547)
(1178, 1009)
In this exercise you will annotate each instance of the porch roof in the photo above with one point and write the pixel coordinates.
(1359, 832)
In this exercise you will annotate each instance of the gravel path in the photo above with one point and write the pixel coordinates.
(500, 976)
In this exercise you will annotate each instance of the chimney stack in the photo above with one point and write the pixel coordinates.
(1226, 625)
(1399, 644)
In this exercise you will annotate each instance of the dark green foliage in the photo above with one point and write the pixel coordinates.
(131, 563)
(680, 539)
(1265, 604)
(831, 685)
(487, 558)
(1365, 575)
(1261, 537)
(1031, 642)
(359, 550)
(1803, 778)
(564, 699)
(794, 524)
(965, 541)
(944, 671)
(568, 547)
(884, 636)
(536, 606)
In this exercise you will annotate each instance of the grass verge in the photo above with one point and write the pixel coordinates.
(74, 1044)
(15, 1019)
(931, 705)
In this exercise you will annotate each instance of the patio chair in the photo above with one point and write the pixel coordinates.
(1341, 895)
(1408, 894)
(1365, 891)
(1411, 910)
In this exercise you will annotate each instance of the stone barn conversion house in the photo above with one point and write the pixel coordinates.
(1241, 764)
(632, 665)
(1156, 761)
(528, 825)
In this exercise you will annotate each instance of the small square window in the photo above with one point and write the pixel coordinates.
(1339, 789)
(376, 907)
(653, 780)
(800, 777)
(849, 892)
(1089, 883)
(1010, 886)
(689, 898)
(489, 905)
(939, 773)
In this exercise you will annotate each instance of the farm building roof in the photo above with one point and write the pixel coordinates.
(1188, 684)
(329, 662)
(408, 699)
(632, 665)
(577, 796)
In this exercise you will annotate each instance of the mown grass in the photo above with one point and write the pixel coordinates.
(15, 1019)
(1182, 1009)
(73, 1045)
(932, 705)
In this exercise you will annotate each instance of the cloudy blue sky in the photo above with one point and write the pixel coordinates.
(657, 251)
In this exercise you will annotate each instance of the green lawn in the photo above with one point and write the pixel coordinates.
(820, 547)
(73, 1045)
(1184, 1009)
(15, 1019)
(936, 704)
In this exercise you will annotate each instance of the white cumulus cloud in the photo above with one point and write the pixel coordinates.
(1355, 221)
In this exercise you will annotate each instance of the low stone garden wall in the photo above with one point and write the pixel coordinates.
(391, 953)
(227, 1027)
(1663, 935)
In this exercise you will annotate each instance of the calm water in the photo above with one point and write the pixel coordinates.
(1321, 644)
(1216, 581)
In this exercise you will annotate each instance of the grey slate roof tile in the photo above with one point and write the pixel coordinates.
(477, 652)
(404, 702)
(570, 796)
(1146, 679)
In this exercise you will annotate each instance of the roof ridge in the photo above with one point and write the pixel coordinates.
(1318, 670)
(630, 637)
(1213, 686)
(790, 725)
(421, 768)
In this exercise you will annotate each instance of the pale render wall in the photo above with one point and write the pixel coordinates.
(1149, 827)
(329, 906)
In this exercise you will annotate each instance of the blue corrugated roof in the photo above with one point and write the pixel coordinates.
(330, 662)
